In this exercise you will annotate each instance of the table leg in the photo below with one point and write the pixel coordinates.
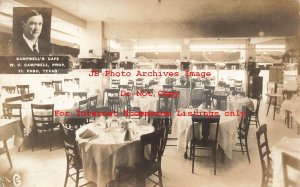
(269, 105)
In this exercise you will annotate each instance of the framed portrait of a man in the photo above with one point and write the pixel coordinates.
(31, 31)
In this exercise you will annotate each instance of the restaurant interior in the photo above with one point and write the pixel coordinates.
(171, 93)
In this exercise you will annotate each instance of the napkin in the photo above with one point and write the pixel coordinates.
(142, 121)
(127, 135)
(201, 106)
(88, 133)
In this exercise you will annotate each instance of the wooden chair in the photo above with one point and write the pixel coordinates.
(139, 84)
(27, 97)
(240, 93)
(43, 120)
(92, 105)
(264, 155)
(14, 111)
(68, 80)
(147, 167)
(289, 162)
(23, 89)
(176, 99)
(243, 130)
(78, 121)
(82, 95)
(166, 105)
(47, 84)
(115, 83)
(168, 87)
(207, 98)
(77, 81)
(255, 113)
(113, 99)
(238, 84)
(74, 161)
(221, 102)
(129, 108)
(12, 99)
(57, 85)
(61, 93)
(9, 89)
(205, 143)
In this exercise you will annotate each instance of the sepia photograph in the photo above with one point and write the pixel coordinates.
(142, 93)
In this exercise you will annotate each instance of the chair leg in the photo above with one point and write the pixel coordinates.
(50, 138)
(247, 151)
(67, 175)
(77, 178)
(241, 144)
(214, 152)
(160, 177)
(7, 153)
(193, 157)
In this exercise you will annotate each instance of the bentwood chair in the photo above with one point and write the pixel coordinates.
(74, 161)
(243, 131)
(14, 111)
(205, 143)
(43, 120)
(289, 163)
(23, 89)
(264, 155)
(9, 89)
(148, 166)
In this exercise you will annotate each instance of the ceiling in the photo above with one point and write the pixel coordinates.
(178, 10)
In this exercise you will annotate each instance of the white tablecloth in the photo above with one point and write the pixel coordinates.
(146, 103)
(290, 146)
(236, 103)
(227, 136)
(292, 106)
(108, 150)
(10, 128)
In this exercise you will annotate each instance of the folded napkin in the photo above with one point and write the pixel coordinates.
(142, 121)
(127, 135)
(87, 133)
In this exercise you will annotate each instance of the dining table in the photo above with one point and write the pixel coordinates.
(237, 102)
(287, 145)
(227, 137)
(10, 128)
(146, 103)
(111, 146)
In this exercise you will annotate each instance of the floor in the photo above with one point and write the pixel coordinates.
(42, 168)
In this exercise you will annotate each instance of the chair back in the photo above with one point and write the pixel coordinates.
(113, 98)
(61, 93)
(176, 99)
(82, 95)
(263, 147)
(168, 87)
(71, 150)
(207, 98)
(245, 121)
(155, 141)
(165, 103)
(12, 111)
(289, 162)
(93, 102)
(220, 99)
(42, 115)
(47, 84)
(23, 89)
(57, 85)
(77, 81)
(27, 97)
(84, 105)
(115, 83)
(12, 99)
(9, 89)
(206, 122)
(68, 80)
